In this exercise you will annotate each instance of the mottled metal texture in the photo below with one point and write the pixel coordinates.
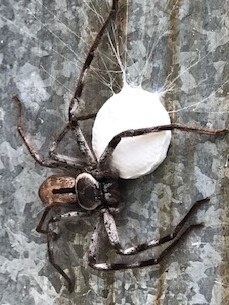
(186, 47)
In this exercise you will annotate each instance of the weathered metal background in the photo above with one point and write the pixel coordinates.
(186, 45)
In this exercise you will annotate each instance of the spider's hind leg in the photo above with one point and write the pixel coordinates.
(47, 229)
(110, 226)
(142, 263)
(52, 236)
(112, 233)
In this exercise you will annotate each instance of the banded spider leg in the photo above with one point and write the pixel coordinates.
(106, 220)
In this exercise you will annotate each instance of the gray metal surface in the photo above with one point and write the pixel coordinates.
(186, 47)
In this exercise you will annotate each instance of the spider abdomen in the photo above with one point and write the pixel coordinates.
(57, 189)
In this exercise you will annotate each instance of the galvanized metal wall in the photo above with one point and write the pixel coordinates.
(186, 46)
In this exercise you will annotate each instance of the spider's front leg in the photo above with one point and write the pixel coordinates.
(105, 158)
(112, 233)
(90, 56)
(74, 117)
(47, 162)
(35, 155)
(85, 150)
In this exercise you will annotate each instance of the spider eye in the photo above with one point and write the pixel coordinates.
(87, 190)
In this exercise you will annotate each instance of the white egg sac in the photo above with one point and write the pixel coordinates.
(132, 108)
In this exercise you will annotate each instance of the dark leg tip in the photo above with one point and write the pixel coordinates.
(207, 199)
(200, 202)
(198, 225)
(71, 287)
(16, 100)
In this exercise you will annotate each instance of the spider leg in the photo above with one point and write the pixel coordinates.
(74, 118)
(71, 214)
(47, 162)
(51, 236)
(106, 155)
(36, 156)
(94, 244)
(142, 263)
(79, 88)
(87, 153)
(112, 232)
(59, 159)
(56, 159)
(40, 227)
(83, 145)
(85, 149)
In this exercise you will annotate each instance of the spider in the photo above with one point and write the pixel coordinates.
(95, 190)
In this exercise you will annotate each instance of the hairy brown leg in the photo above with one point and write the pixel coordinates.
(106, 155)
(92, 257)
(111, 229)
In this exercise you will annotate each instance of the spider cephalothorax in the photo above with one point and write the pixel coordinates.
(88, 191)
(84, 190)
(96, 187)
